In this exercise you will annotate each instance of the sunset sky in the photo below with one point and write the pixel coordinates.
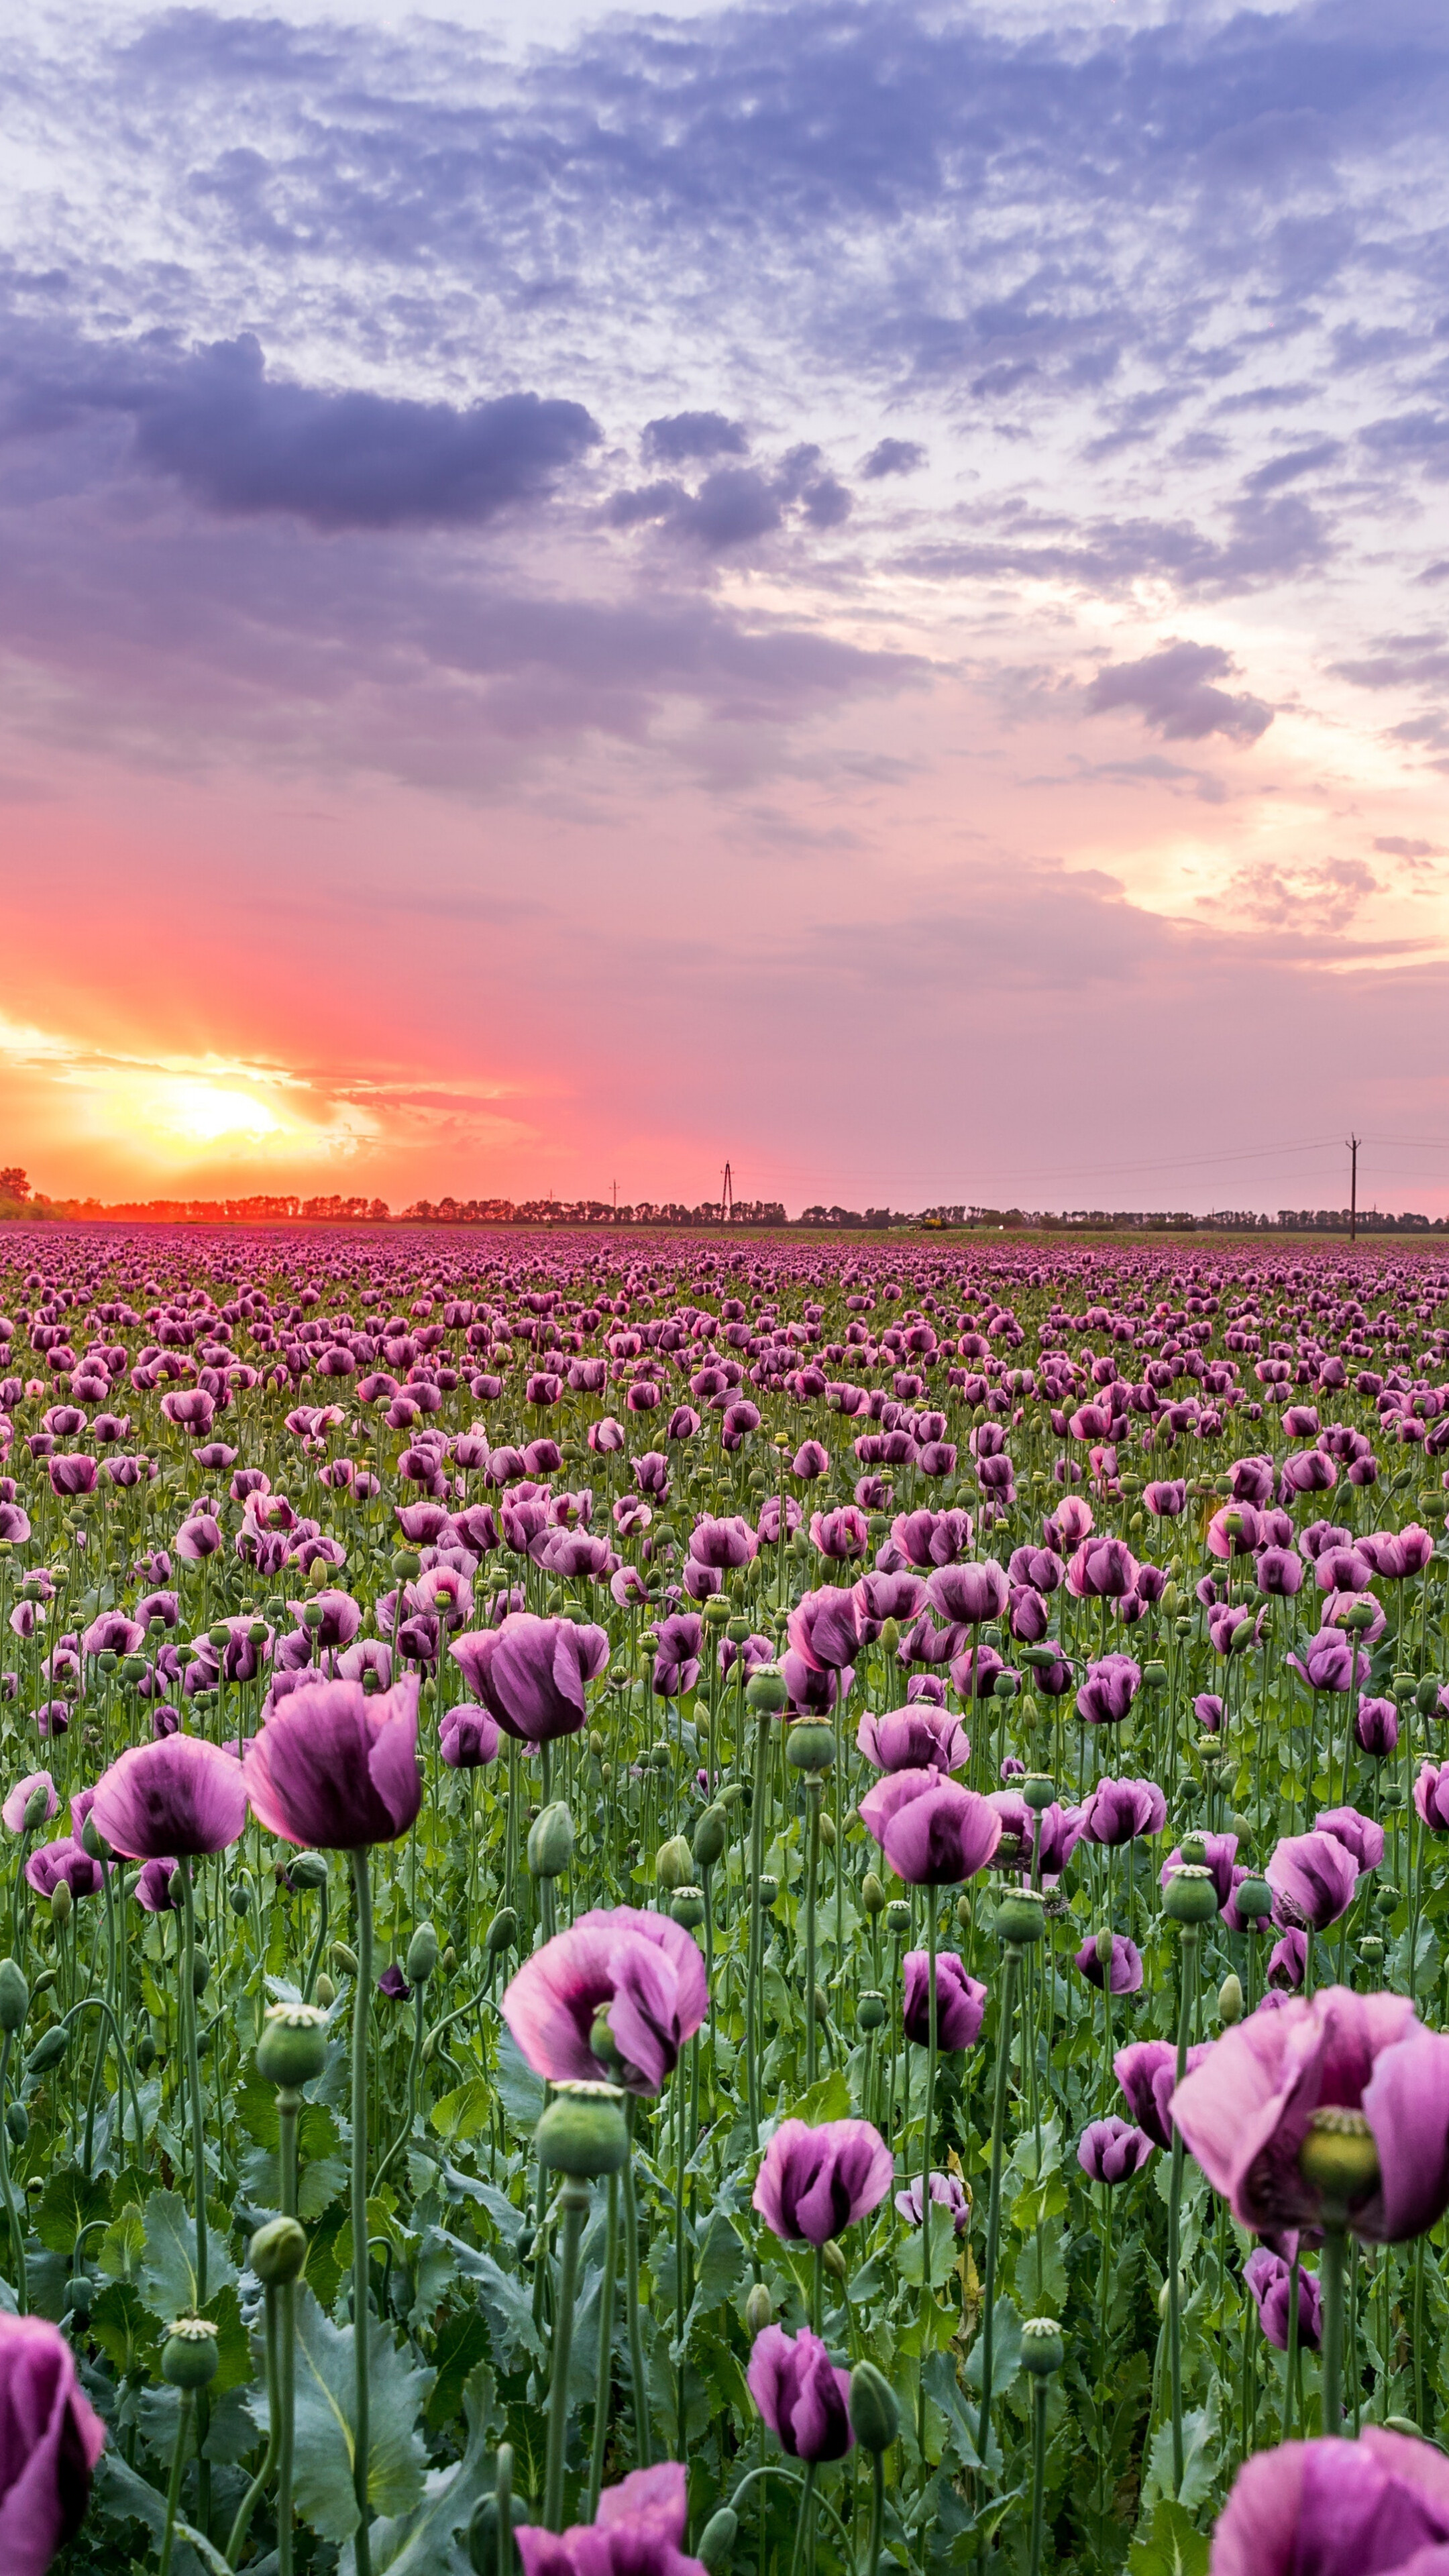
(863, 589)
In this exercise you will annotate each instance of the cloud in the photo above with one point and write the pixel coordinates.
(1298, 460)
(1395, 847)
(686, 434)
(893, 456)
(1316, 898)
(737, 505)
(1173, 692)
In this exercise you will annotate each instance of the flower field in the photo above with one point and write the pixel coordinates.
(707, 1901)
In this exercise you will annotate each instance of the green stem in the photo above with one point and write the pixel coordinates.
(1010, 1968)
(877, 2514)
(1038, 2469)
(173, 2492)
(503, 2491)
(250, 2500)
(752, 1969)
(574, 2202)
(361, 2008)
(17, 2235)
(642, 2442)
(193, 2075)
(1331, 2271)
(1186, 2007)
(604, 2381)
(926, 2136)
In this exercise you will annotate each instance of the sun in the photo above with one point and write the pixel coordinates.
(180, 1109)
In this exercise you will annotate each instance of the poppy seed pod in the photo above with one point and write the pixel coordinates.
(1042, 2348)
(583, 2131)
(292, 2050)
(898, 1917)
(189, 2357)
(870, 2011)
(1339, 2157)
(1021, 1915)
(765, 1691)
(874, 2414)
(1190, 1896)
(1038, 1790)
(551, 1841)
(687, 1907)
(769, 1888)
(277, 2252)
(1253, 1899)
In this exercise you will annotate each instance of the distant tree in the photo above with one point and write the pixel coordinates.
(13, 1183)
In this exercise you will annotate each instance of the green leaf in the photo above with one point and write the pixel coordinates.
(124, 2497)
(69, 2202)
(428, 2541)
(326, 2400)
(721, 2270)
(944, 2249)
(519, 2090)
(461, 2346)
(129, 2338)
(507, 2303)
(123, 2243)
(464, 2113)
(166, 2272)
(1200, 2457)
(1005, 2350)
(1172, 2548)
(827, 2099)
(944, 2391)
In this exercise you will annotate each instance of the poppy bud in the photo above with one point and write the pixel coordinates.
(963, 1912)
(502, 1932)
(827, 1832)
(1103, 1947)
(673, 1862)
(832, 2258)
(325, 1991)
(200, 1972)
(711, 1834)
(551, 1841)
(77, 2296)
(307, 1869)
(17, 2123)
(422, 1957)
(759, 2309)
(60, 1905)
(277, 2252)
(874, 2414)
(292, 2050)
(35, 1807)
(582, 2132)
(872, 1894)
(14, 1996)
(717, 2540)
(238, 1895)
(189, 2357)
(1230, 2001)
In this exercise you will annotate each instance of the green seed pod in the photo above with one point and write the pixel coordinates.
(687, 1907)
(1020, 1915)
(200, 1972)
(765, 1691)
(407, 1564)
(759, 2309)
(898, 1917)
(1038, 1789)
(674, 1862)
(1042, 2348)
(1190, 1896)
(14, 1996)
(874, 2413)
(1387, 1902)
(1253, 1898)
(307, 1869)
(583, 2132)
(1339, 2157)
(189, 2357)
(551, 1841)
(277, 2252)
(292, 2050)
(808, 1745)
(769, 1893)
(78, 2297)
(422, 1957)
(870, 2011)
(502, 1932)
(717, 2540)
(17, 2122)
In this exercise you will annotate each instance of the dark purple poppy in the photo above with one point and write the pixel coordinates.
(960, 2001)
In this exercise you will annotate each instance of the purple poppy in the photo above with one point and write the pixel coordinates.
(1337, 2508)
(179, 1795)
(814, 2183)
(967, 1595)
(335, 1770)
(153, 1887)
(1220, 1853)
(1331, 1661)
(1109, 1690)
(824, 1629)
(15, 1806)
(1117, 1811)
(50, 2440)
(1431, 1796)
(1147, 2071)
(1126, 1966)
(643, 1973)
(638, 2531)
(1112, 2151)
(1269, 2278)
(960, 2001)
(947, 2191)
(1102, 1569)
(919, 1737)
(1361, 1838)
(1376, 1728)
(63, 1859)
(1313, 1878)
(933, 1832)
(1247, 2111)
(467, 1738)
(530, 1673)
(801, 2394)
(678, 1653)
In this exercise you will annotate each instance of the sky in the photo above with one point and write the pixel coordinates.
(861, 589)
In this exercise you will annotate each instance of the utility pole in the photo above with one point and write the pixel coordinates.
(1353, 1145)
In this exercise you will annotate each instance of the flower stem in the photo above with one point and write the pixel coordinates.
(877, 2514)
(642, 2443)
(926, 2135)
(1331, 2269)
(17, 2233)
(193, 2075)
(813, 1790)
(173, 2492)
(574, 2202)
(1010, 1967)
(361, 2008)
(1038, 2470)
(249, 2501)
(604, 2382)
(1186, 2008)
(752, 1970)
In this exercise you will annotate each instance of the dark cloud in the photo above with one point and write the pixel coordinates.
(242, 443)
(737, 505)
(688, 434)
(1417, 437)
(1394, 847)
(1288, 467)
(1174, 693)
(1398, 662)
(893, 456)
